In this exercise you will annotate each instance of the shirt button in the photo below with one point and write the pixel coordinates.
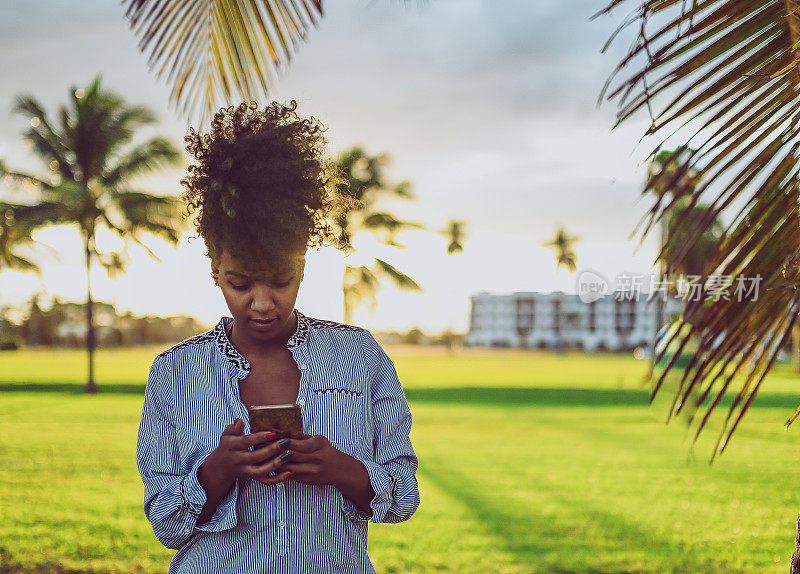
(188, 531)
(281, 524)
(301, 402)
(303, 366)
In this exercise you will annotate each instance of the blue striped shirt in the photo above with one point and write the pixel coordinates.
(349, 392)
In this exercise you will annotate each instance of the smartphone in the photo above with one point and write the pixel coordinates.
(284, 420)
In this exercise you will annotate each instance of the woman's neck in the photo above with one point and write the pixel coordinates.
(254, 347)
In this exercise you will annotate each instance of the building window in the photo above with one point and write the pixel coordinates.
(557, 317)
(625, 316)
(524, 316)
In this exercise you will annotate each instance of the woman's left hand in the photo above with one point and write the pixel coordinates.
(314, 460)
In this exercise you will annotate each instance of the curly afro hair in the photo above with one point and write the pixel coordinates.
(263, 186)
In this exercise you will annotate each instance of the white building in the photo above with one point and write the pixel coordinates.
(545, 320)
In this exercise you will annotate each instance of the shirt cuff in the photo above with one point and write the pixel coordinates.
(192, 492)
(194, 498)
(385, 488)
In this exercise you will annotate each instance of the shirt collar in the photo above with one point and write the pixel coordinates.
(228, 350)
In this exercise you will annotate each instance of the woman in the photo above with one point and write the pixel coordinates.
(234, 501)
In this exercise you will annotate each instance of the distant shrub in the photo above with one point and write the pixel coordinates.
(9, 345)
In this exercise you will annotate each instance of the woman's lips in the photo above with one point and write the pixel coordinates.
(262, 323)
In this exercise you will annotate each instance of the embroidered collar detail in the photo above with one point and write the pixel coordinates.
(227, 349)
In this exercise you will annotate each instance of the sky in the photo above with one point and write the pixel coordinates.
(489, 108)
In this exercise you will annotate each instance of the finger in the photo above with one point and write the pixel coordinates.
(280, 477)
(259, 438)
(298, 456)
(264, 454)
(231, 428)
(263, 470)
(244, 442)
(309, 444)
(301, 469)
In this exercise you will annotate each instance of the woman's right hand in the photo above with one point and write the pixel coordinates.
(233, 457)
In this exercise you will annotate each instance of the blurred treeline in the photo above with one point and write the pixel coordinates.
(63, 324)
(415, 336)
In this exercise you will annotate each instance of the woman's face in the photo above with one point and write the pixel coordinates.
(261, 302)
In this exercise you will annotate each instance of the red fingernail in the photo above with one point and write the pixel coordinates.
(290, 475)
(270, 435)
(236, 421)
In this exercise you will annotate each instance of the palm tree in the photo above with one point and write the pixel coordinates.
(681, 221)
(365, 181)
(92, 163)
(676, 262)
(676, 256)
(455, 244)
(455, 237)
(562, 245)
(722, 78)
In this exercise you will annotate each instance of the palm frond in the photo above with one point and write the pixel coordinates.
(141, 159)
(399, 278)
(17, 224)
(20, 178)
(44, 138)
(31, 217)
(140, 211)
(16, 262)
(113, 262)
(211, 49)
(387, 226)
(721, 76)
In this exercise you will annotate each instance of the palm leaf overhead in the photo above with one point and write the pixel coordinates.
(722, 77)
(210, 50)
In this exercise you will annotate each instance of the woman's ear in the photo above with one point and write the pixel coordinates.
(214, 268)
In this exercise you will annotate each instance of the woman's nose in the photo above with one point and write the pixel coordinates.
(262, 300)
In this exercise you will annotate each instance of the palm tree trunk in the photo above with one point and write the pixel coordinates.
(88, 246)
(348, 308)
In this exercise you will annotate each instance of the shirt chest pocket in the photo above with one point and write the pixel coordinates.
(338, 413)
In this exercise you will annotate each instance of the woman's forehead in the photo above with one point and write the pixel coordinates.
(260, 268)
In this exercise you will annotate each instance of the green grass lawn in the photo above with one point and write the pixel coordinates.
(529, 462)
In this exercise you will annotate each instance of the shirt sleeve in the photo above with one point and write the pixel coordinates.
(173, 497)
(392, 471)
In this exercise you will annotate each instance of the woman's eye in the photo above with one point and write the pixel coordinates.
(238, 287)
(282, 285)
